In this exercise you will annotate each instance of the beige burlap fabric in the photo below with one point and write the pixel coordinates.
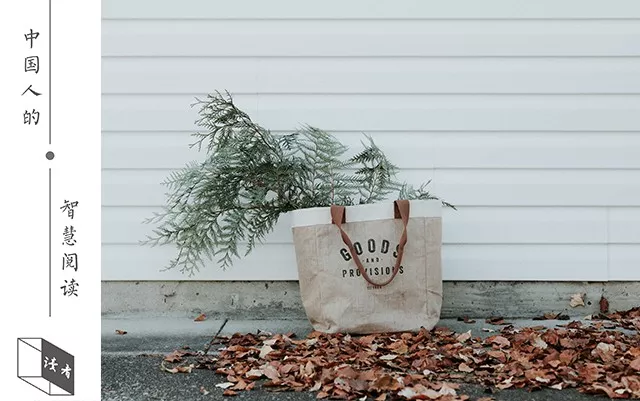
(358, 275)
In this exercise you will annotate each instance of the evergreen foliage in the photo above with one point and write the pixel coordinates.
(251, 176)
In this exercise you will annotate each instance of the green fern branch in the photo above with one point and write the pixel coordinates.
(250, 177)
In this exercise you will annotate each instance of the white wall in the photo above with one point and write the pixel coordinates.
(525, 114)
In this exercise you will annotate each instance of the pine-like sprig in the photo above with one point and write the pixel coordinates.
(250, 176)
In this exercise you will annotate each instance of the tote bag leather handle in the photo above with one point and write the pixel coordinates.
(401, 211)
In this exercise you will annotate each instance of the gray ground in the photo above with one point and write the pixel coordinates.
(131, 363)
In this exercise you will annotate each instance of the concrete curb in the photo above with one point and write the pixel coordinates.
(280, 300)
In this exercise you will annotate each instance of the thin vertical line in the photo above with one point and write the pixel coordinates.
(608, 241)
(49, 242)
(49, 72)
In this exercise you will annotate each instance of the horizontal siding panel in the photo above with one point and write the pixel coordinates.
(524, 225)
(369, 38)
(387, 113)
(624, 262)
(135, 262)
(539, 188)
(459, 262)
(355, 75)
(461, 187)
(121, 225)
(525, 262)
(541, 150)
(357, 9)
(624, 226)
(135, 150)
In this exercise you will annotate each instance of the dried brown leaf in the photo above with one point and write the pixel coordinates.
(265, 350)
(568, 343)
(606, 352)
(316, 386)
(501, 341)
(367, 340)
(175, 356)
(399, 347)
(539, 375)
(590, 372)
(610, 392)
(568, 356)
(386, 383)
(495, 320)
(498, 355)
(448, 389)
(463, 367)
(548, 316)
(200, 318)
(272, 383)
(419, 392)
(464, 337)
(554, 363)
(507, 383)
(539, 343)
(309, 368)
(604, 305)
(240, 385)
(358, 385)
(271, 341)
(254, 374)
(184, 369)
(347, 372)
(576, 300)
(340, 394)
(285, 369)
(271, 372)
(551, 337)
(369, 375)
(121, 332)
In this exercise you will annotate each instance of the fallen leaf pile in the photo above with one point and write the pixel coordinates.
(430, 364)
(552, 316)
(629, 320)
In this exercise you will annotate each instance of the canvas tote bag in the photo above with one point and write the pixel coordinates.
(370, 268)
